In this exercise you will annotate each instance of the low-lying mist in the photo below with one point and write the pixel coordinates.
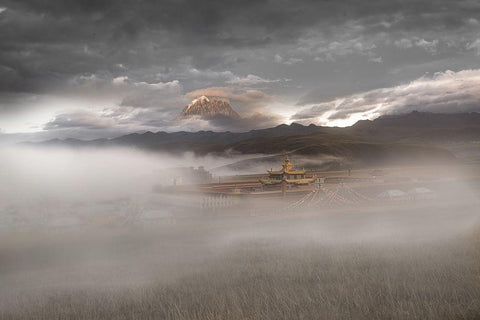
(82, 174)
(255, 259)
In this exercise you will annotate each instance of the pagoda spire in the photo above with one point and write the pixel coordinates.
(287, 165)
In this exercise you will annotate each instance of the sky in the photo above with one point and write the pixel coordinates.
(102, 68)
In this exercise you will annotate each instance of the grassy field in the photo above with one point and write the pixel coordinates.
(277, 279)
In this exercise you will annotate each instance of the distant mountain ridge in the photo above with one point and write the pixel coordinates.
(420, 126)
(407, 135)
(208, 108)
(426, 119)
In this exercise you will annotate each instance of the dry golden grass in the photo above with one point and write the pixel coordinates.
(417, 262)
(274, 280)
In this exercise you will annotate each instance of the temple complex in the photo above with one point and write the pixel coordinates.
(288, 175)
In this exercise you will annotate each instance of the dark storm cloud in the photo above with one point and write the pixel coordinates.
(329, 50)
(50, 40)
(44, 41)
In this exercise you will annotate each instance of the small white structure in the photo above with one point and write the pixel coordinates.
(393, 194)
(422, 193)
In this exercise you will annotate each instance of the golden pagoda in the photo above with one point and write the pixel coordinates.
(287, 174)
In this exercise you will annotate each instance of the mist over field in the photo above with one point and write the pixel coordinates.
(254, 260)
(92, 173)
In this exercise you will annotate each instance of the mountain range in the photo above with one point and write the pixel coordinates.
(413, 136)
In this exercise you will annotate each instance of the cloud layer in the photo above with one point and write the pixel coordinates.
(445, 92)
(140, 61)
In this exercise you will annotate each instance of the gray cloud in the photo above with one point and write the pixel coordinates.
(313, 112)
(138, 34)
(80, 119)
(329, 49)
(162, 96)
(250, 79)
(446, 92)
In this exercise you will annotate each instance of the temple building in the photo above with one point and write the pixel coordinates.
(287, 174)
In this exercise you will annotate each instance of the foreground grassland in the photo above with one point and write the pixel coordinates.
(273, 279)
